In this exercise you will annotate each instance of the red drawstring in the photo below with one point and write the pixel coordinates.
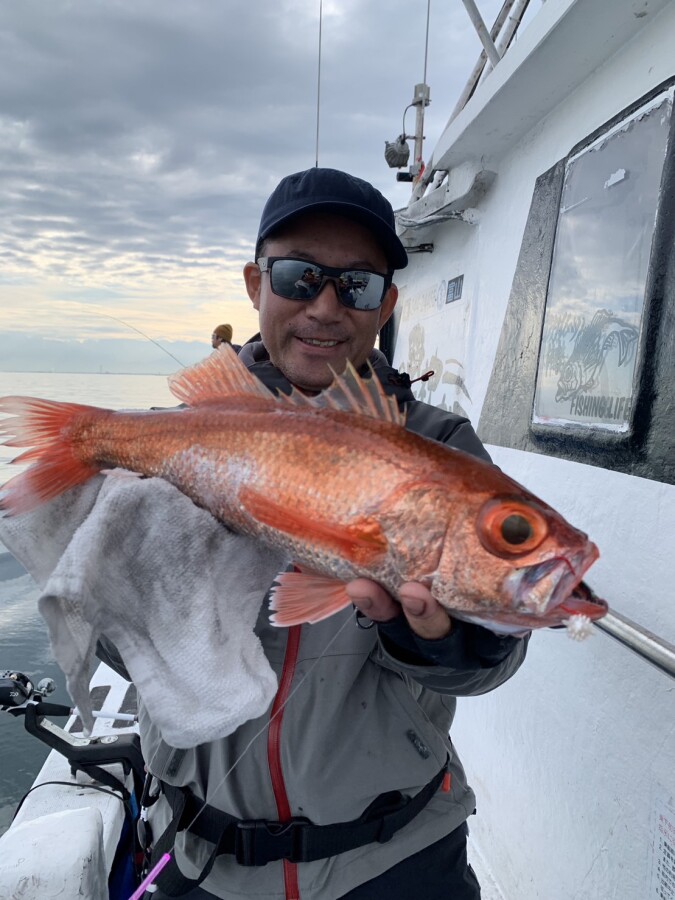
(425, 377)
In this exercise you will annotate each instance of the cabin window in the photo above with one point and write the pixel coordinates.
(589, 356)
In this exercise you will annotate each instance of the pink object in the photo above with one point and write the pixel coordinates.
(147, 881)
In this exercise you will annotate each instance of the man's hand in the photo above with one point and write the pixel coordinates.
(426, 617)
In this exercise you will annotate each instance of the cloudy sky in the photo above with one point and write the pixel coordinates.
(139, 140)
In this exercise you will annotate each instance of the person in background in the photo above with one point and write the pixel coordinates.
(349, 786)
(306, 282)
(222, 334)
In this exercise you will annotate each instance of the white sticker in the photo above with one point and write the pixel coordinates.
(662, 876)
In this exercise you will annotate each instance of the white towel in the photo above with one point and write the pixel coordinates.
(174, 590)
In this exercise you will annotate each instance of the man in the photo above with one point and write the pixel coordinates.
(349, 786)
(222, 334)
(306, 282)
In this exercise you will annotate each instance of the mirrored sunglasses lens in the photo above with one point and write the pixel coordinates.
(362, 290)
(295, 279)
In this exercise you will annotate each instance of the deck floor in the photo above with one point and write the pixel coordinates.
(488, 886)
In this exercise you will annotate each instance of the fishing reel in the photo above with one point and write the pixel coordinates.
(16, 689)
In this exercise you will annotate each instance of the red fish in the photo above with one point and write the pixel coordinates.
(336, 481)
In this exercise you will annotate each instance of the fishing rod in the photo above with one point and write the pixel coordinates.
(142, 333)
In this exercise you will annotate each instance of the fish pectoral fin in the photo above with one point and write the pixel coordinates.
(361, 543)
(300, 597)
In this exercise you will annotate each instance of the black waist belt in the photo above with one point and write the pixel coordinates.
(255, 842)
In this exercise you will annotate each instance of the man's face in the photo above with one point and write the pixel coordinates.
(216, 341)
(305, 338)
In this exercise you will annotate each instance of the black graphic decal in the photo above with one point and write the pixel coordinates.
(580, 372)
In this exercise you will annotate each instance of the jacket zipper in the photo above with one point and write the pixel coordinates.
(291, 885)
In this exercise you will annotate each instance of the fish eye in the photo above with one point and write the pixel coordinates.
(509, 528)
(516, 529)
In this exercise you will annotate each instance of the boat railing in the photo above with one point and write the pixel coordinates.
(495, 44)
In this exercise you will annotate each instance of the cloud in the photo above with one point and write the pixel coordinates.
(139, 141)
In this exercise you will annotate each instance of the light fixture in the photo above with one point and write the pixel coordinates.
(397, 153)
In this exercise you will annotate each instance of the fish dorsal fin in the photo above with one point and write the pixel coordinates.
(351, 393)
(219, 376)
(222, 375)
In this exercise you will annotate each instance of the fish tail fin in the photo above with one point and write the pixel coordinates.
(45, 426)
(303, 597)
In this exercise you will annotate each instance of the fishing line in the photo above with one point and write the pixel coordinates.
(138, 331)
(211, 794)
(97, 312)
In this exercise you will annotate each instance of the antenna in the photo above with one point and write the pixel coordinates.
(318, 85)
(426, 43)
(397, 153)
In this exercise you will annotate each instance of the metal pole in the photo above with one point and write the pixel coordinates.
(420, 100)
(481, 29)
(641, 641)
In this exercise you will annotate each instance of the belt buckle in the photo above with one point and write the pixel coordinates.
(258, 841)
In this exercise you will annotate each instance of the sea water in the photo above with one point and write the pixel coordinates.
(24, 644)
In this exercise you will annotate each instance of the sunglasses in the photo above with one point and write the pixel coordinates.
(297, 279)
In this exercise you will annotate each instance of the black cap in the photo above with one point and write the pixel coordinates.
(329, 190)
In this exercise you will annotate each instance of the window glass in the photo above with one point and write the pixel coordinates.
(594, 307)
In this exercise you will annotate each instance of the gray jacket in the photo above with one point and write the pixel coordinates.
(367, 712)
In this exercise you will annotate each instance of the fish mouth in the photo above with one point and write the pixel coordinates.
(582, 602)
(552, 591)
